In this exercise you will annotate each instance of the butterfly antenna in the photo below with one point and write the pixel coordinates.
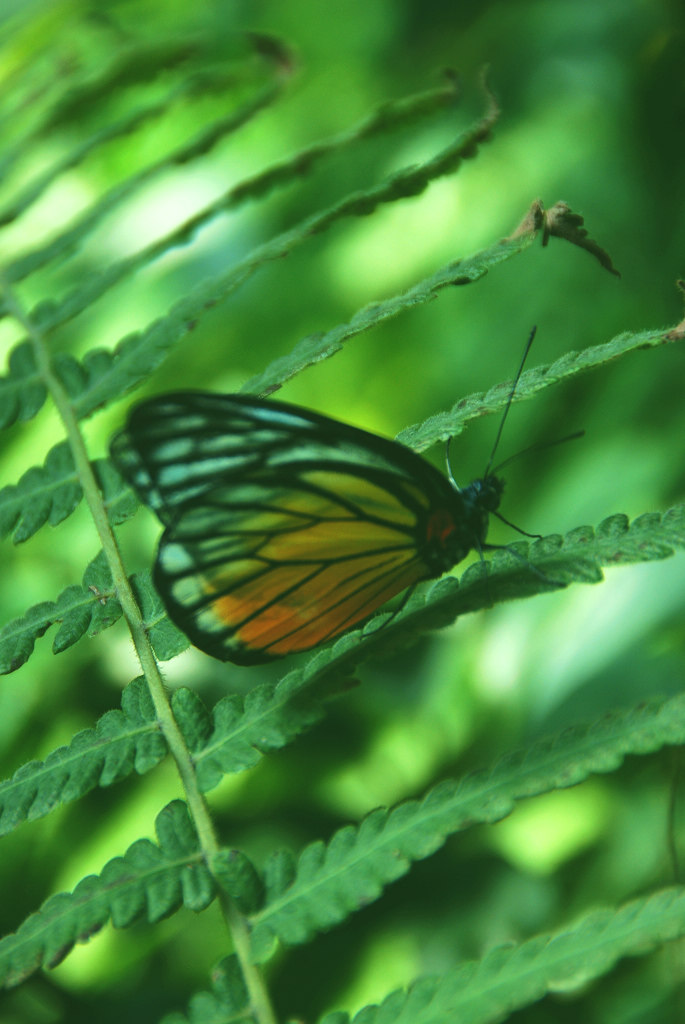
(539, 446)
(509, 401)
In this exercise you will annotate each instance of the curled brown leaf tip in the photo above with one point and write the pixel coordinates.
(561, 222)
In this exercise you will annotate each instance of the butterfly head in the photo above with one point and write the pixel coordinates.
(481, 498)
(461, 524)
(486, 493)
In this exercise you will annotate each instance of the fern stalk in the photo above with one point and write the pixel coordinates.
(197, 805)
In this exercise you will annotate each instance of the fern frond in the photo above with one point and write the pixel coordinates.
(239, 878)
(84, 101)
(101, 374)
(576, 558)
(74, 98)
(151, 346)
(165, 637)
(49, 315)
(227, 1003)
(122, 742)
(88, 608)
(510, 977)
(317, 347)
(105, 376)
(22, 392)
(241, 729)
(447, 424)
(48, 493)
(149, 882)
(119, 500)
(330, 881)
(389, 116)
(202, 143)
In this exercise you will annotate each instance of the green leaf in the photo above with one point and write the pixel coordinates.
(318, 347)
(50, 493)
(227, 1003)
(89, 608)
(510, 977)
(165, 637)
(450, 423)
(335, 879)
(136, 356)
(22, 392)
(51, 315)
(104, 375)
(189, 86)
(120, 501)
(43, 494)
(231, 76)
(279, 874)
(192, 717)
(149, 882)
(266, 718)
(121, 742)
(74, 97)
(237, 876)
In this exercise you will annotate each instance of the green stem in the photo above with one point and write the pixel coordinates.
(197, 805)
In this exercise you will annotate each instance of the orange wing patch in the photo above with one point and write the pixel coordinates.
(300, 609)
(284, 576)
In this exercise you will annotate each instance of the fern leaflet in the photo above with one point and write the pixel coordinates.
(149, 882)
(330, 881)
(121, 742)
(510, 977)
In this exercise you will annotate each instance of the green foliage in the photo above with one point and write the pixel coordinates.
(227, 1003)
(451, 422)
(97, 98)
(330, 881)
(22, 393)
(121, 742)
(88, 608)
(267, 718)
(511, 977)
(149, 882)
(44, 494)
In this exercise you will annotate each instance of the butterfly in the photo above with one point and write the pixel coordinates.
(283, 527)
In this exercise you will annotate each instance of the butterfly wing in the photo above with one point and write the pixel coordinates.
(257, 571)
(283, 528)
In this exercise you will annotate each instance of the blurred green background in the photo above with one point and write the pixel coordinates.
(593, 103)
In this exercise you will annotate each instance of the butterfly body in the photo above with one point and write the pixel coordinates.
(284, 528)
